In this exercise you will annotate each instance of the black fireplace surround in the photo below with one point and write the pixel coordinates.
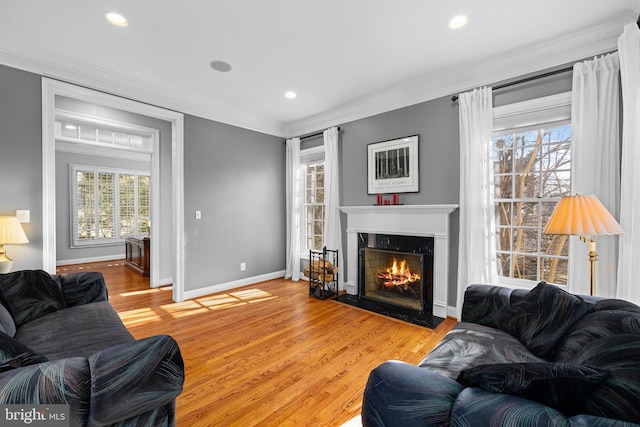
(395, 277)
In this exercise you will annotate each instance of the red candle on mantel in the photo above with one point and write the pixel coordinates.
(386, 202)
(379, 199)
(396, 199)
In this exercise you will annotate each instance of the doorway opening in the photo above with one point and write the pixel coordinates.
(173, 247)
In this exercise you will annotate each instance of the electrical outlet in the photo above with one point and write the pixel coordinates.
(198, 215)
(243, 266)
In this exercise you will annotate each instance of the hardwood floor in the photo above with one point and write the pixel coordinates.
(266, 354)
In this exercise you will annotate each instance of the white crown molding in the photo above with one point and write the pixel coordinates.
(570, 48)
(59, 67)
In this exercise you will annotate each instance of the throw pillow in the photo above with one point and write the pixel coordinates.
(14, 354)
(30, 294)
(542, 317)
(558, 385)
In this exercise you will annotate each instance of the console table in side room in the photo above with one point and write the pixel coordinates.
(138, 257)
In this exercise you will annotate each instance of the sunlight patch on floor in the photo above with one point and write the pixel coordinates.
(145, 291)
(250, 294)
(194, 306)
(139, 315)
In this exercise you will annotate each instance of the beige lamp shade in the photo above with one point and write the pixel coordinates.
(583, 216)
(11, 232)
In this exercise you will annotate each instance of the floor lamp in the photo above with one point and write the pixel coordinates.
(583, 216)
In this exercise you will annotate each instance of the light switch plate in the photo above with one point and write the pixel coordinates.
(23, 215)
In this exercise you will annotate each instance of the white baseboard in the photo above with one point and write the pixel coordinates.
(221, 287)
(92, 259)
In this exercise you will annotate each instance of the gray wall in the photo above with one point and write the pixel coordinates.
(437, 124)
(21, 159)
(538, 88)
(64, 251)
(236, 178)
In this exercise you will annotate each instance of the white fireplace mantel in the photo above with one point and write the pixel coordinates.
(406, 220)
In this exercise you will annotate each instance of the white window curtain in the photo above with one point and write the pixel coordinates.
(332, 228)
(477, 242)
(596, 164)
(629, 51)
(293, 209)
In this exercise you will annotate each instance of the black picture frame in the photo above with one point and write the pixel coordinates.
(393, 166)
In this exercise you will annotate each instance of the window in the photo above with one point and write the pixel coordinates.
(108, 204)
(532, 171)
(313, 206)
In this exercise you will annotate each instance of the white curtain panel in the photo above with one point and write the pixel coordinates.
(629, 51)
(477, 245)
(332, 228)
(293, 209)
(596, 165)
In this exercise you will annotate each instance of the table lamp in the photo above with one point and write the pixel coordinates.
(11, 233)
(583, 216)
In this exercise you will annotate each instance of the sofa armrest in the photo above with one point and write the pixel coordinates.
(484, 303)
(83, 288)
(133, 378)
(64, 381)
(401, 394)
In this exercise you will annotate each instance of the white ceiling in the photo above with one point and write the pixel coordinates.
(345, 58)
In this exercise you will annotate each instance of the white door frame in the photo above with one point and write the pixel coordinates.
(51, 88)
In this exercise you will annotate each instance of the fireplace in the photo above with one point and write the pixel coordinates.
(397, 271)
(430, 221)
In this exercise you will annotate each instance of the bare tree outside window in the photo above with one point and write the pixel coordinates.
(532, 171)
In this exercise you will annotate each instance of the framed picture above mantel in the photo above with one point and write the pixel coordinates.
(392, 166)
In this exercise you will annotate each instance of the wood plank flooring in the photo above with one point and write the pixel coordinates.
(266, 354)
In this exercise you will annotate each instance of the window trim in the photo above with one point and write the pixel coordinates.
(75, 243)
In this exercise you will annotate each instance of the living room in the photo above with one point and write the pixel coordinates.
(234, 174)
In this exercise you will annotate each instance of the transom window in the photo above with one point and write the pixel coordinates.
(108, 204)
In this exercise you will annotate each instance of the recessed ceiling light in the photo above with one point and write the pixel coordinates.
(458, 22)
(290, 94)
(221, 66)
(116, 19)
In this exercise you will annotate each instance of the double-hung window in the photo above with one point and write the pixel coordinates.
(532, 171)
(313, 207)
(108, 204)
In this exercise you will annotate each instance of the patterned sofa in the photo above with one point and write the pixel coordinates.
(61, 342)
(519, 358)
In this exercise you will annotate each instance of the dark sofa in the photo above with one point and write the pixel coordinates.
(61, 342)
(519, 358)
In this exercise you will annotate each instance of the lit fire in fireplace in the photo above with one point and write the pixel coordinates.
(398, 275)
